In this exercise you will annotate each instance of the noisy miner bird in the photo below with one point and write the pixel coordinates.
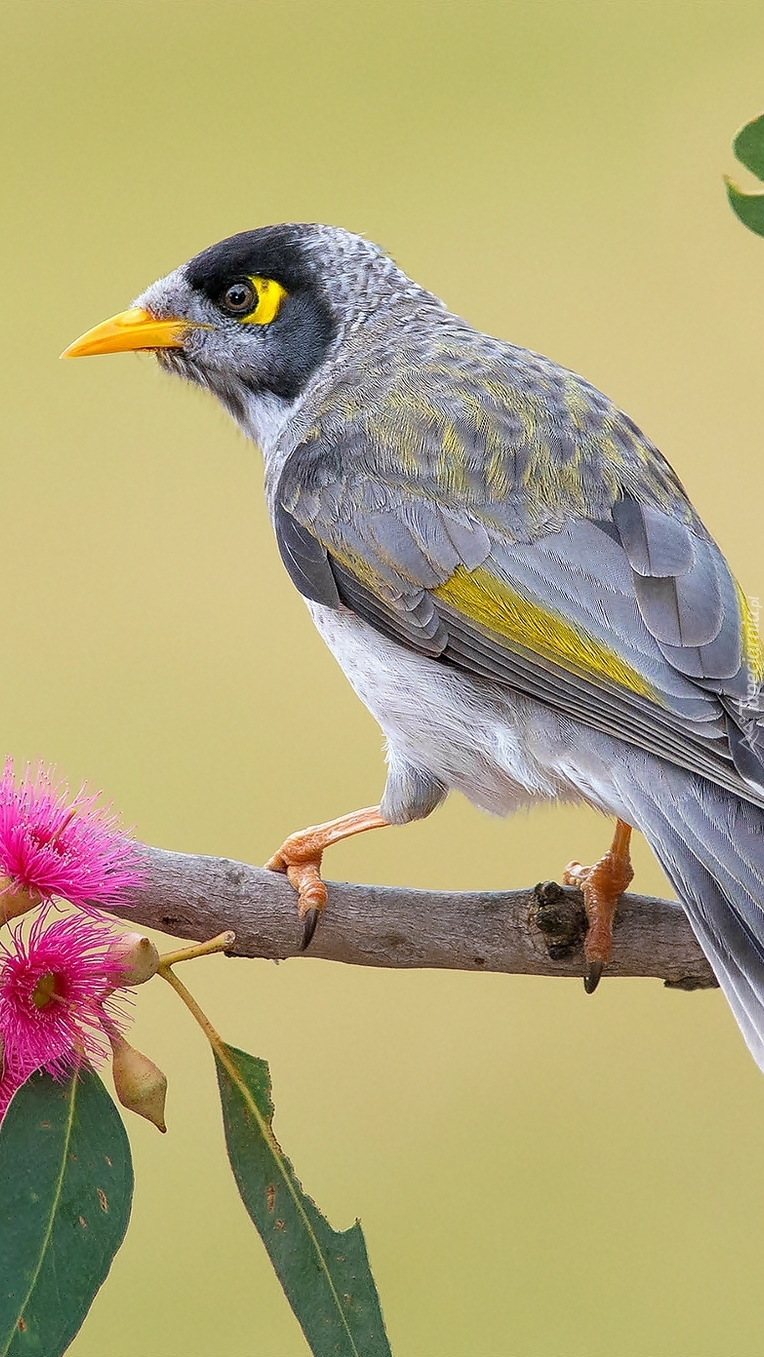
(508, 571)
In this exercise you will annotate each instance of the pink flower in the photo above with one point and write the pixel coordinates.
(57, 1000)
(50, 846)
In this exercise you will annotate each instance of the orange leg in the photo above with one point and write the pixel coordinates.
(300, 858)
(601, 886)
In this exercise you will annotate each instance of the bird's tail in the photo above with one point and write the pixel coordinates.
(710, 844)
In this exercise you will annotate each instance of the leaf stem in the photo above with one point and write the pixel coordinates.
(199, 949)
(213, 1037)
(166, 963)
(217, 944)
(219, 1047)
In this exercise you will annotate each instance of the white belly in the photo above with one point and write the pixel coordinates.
(499, 749)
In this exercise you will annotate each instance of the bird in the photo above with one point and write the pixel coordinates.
(507, 569)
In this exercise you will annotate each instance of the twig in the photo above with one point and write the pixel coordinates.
(536, 931)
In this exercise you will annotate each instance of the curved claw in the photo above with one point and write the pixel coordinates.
(309, 927)
(592, 976)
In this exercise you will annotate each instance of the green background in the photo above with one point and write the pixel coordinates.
(537, 1171)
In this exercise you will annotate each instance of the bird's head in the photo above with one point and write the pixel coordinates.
(257, 314)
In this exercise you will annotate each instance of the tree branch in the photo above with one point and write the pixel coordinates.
(536, 931)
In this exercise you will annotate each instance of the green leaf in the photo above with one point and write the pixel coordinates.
(66, 1184)
(325, 1273)
(749, 146)
(749, 207)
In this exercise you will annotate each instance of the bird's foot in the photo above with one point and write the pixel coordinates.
(299, 857)
(601, 886)
(302, 866)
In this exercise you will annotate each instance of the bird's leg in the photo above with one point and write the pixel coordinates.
(601, 886)
(300, 858)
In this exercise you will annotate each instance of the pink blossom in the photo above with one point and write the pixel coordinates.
(50, 846)
(57, 999)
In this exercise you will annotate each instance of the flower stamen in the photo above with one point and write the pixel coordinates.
(50, 847)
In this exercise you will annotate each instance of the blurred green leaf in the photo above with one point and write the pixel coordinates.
(749, 146)
(749, 149)
(325, 1273)
(749, 207)
(66, 1184)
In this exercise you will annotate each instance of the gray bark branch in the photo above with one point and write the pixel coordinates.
(536, 931)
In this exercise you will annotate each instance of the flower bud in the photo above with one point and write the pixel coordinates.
(135, 957)
(16, 898)
(140, 1085)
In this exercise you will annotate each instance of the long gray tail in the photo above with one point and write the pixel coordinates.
(711, 846)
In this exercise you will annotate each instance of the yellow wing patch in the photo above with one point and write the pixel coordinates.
(497, 608)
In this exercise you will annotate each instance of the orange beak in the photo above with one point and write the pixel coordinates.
(134, 329)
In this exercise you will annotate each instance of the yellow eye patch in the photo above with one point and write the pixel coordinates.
(270, 295)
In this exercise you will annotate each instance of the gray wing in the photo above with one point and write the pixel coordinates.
(628, 620)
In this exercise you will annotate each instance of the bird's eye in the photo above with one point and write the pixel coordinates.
(255, 300)
(239, 299)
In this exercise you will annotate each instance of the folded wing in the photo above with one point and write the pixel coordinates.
(628, 620)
